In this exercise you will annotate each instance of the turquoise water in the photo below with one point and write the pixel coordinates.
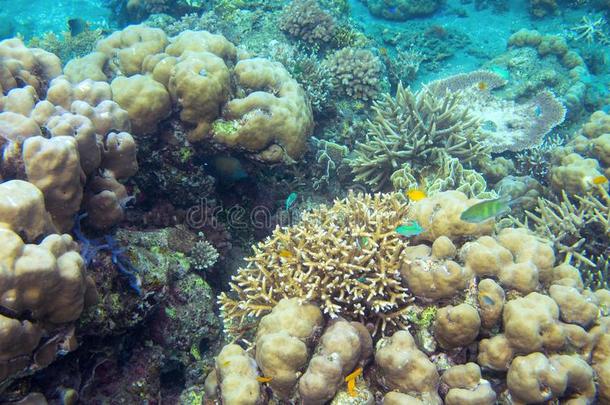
(180, 175)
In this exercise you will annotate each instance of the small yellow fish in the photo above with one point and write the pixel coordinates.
(597, 180)
(416, 195)
(264, 379)
(350, 379)
(286, 254)
(351, 388)
(225, 363)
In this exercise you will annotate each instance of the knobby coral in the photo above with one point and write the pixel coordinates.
(305, 20)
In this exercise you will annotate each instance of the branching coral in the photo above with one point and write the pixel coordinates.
(591, 30)
(414, 129)
(579, 230)
(345, 257)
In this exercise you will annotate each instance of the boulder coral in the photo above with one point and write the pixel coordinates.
(585, 157)
(70, 140)
(194, 80)
(43, 286)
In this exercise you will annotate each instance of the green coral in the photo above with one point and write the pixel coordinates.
(225, 128)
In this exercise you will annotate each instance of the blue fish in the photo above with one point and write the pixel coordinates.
(411, 228)
(290, 200)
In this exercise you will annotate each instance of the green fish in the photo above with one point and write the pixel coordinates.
(411, 228)
(362, 242)
(290, 200)
(487, 209)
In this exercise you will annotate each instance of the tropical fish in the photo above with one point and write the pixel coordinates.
(350, 379)
(286, 253)
(264, 379)
(77, 26)
(487, 209)
(290, 200)
(411, 228)
(227, 169)
(597, 180)
(416, 194)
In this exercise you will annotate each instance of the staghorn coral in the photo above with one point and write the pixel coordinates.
(579, 230)
(305, 20)
(355, 72)
(555, 340)
(414, 130)
(317, 263)
(363, 270)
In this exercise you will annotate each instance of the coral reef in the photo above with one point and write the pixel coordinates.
(265, 115)
(311, 359)
(567, 74)
(387, 280)
(44, 287)
(505, 125)
(80, 165)
(585, 157)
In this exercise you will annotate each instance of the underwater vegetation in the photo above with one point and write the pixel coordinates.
(305, 201)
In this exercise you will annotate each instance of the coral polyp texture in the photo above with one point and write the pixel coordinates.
(305, 20)
(194, 80)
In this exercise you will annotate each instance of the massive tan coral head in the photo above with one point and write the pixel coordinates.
(26, 66)
(273, 121)
(23, 211)
(344, 258)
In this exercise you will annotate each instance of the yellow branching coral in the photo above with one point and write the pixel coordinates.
(344, 258)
